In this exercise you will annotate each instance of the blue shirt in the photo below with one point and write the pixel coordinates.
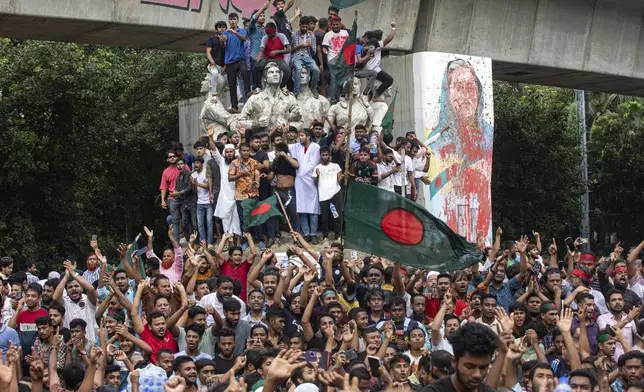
(256, 32)
(8, 334)
(505, 294)
(234, 46)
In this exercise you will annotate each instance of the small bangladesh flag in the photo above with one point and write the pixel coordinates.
(342, 4)
(341, 66)
(257, 212)
(388, 121)
(385, 224)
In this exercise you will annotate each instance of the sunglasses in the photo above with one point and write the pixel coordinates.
(171, 156)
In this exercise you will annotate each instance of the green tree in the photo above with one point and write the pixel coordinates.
(615, 163)
(535, 177)
(84, 131)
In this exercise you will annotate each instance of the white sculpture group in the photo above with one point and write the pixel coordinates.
(274, 107)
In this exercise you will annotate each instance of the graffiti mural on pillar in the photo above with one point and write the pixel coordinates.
(244, 7)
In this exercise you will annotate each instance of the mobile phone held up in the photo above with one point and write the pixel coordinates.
(374, 365)
(570, 244)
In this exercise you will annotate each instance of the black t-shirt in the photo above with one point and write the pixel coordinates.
(216, 50)
(283, 166)
(283, 25)
(444, 384)
(264, 185)
(222, 365)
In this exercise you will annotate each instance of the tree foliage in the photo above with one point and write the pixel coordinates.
(84, 131)
(535, 177)
(616, 162)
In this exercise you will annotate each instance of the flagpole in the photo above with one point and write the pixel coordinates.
(347, 157)
(279, 199)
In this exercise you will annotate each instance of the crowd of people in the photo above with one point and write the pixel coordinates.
(242, 52)
(203, 318)
(223, 311)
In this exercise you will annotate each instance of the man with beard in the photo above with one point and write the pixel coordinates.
(618, 319)
(24, 319)
(213, 302)
(47, 343)
(307, 155)
(48, 292)
(155, 333)
(233, 321)
(256, 314)
(270, 280)
(620, 282)
(402, 325)
(92, 273)
(225, 207)
(245, 172)
(161, 288)
(225, 359)
(418, 309)
(474, 345)
(585, 312)
(631, 370)
(234, 267)
(57, 314)
(545, 325)
(184, 366)
(386, 168)
(77, 304)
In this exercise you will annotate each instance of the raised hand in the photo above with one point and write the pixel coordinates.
(499, 231)
(516, 352)
(565, 320)
(507, 322)
(285, 364)
(148, 232)
(553, 248)
(522, 244)
(635, 312)
(95, 355)
(447, 298)
(36, 370)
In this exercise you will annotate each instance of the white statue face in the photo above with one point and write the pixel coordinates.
(273, 75)
(305, 76)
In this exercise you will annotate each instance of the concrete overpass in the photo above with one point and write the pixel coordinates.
(590, 44)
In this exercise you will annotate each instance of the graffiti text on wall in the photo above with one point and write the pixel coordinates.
(244, 7)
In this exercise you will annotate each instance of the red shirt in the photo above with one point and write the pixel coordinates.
(158, 344)
(240, 273)
(271, 45)
(432, 305)
(169, 179)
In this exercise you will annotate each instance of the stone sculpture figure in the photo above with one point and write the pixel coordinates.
(271, 107)
(213, 112)
(361, 112)
(312, 108)
(380, 108)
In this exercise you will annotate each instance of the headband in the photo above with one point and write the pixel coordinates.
(547, 307)
(326, 293)
(603, 338)
(116, 314)
(587, 257)
(270, 30)
(619, 269)
(579, 273)
(229, 146)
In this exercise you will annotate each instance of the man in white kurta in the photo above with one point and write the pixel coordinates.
(226, 208)
(306, 191)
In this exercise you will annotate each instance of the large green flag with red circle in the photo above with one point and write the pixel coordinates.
(257, 212)
(385, 224)
(341, 66)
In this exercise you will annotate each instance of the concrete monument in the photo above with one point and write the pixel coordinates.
(311, 107)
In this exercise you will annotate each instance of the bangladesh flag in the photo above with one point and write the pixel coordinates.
(385, 224)
(341, 4)
(388, 121)
(341, 66)
(257, 212)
